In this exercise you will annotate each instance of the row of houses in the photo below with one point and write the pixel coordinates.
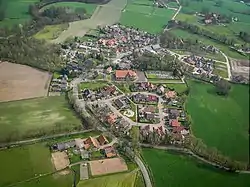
(59, 84)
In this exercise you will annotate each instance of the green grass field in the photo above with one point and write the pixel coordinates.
(90, 8)
(164, 81)
(221, 122)
(55, 180)
(16, 11)
(117, 180)
(21, 163)
(92, 85)
(177, 87)
(181, 171)
(139, 13)
(27, 118)
(229, 52)
(50, 32)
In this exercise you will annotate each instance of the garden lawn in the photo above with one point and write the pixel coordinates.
(116, 180)
(16, 11)
(123, 87)
(176, 170)
(229, 52)
(93, 85)
(164, 81)
(36, 117)
(51, 32)
(55, 180)
(221, 122)
(179, 88)
(90, 8)
(21, 163)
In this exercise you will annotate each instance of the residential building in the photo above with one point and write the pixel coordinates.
(122, 75)
(109, 151)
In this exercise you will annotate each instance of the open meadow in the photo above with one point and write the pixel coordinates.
(140, 13)
(55, 180)
(22, 82)
(221, 122)
(25, 162)
(175, 170)
(36, 117)
(16, 11)
(50, 32)
(116, 180)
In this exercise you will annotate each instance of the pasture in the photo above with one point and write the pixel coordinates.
(22, 163)
(90, 8)
(116, 180)
(182, 171)
(179, 88)
(229, 52)
(50, 32)
(55, 180)
(221, 122)
(36, 117)
(22, 82)
(16, 11)
(140, 14)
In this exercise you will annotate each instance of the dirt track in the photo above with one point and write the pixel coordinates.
(22, 82)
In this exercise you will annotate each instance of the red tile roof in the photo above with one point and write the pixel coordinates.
(170, 94)
(124, 73)
(178, 129)
(102, 140)
(174, 123)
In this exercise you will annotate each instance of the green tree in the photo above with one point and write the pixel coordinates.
(222, 87)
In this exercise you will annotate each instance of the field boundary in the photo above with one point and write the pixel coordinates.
(35, 140)
(194, 155)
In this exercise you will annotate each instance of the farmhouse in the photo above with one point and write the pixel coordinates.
(122, 75)
(111, 118)
(160, 130)
(109, 151)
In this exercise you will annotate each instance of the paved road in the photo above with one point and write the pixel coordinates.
(144, 172)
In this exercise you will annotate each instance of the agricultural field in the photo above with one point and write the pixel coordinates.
(229, 52)
(107, 14)
(181, 171)
(50, 32)
(116, 180)
(36, 117)
(55, 180)
(90, 8)
(22, 163)
(22, 82)
(139, 13)
(221, 122)
(164, 81)
(16, 11)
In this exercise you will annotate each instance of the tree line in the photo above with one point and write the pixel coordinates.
(18, 48)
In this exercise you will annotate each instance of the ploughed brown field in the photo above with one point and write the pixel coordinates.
(22, 82)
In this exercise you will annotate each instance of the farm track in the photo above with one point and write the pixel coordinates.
(3, 145)
(108, 14)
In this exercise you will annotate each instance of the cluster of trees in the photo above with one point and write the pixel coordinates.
(213, 155)
(151, 61)
(47, 2)
(52, 16)
(168, 40)
(153, 138)
(245, 36)
(2, 10)
(222, 87)
(197, 30)
(18, 48)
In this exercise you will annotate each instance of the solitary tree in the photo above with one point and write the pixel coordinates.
(222, 87)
